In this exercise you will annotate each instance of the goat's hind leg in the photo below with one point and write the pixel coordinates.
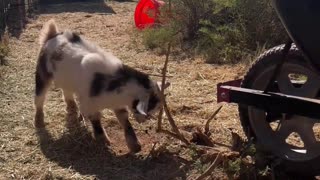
(42, 85)
(98, 130)
(72, 121)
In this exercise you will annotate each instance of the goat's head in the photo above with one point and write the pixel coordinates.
(144, 108)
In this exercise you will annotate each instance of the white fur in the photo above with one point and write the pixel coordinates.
(75, 71)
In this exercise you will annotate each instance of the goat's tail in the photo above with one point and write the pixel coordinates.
(48, 31)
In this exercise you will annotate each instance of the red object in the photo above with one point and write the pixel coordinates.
(146, 13)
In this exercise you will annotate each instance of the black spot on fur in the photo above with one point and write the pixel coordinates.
(39, 84)
(42, 76)
(119, 79)
(97, 84)
(126, 73)
(75, 38)
(42, 65)
(153, 101)
(116, 83)
(140, 77)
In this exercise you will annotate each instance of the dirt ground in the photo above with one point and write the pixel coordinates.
(61, 152)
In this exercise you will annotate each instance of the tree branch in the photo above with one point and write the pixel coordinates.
(206, 128)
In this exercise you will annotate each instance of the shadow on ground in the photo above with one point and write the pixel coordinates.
(77, 149)
(87, 6)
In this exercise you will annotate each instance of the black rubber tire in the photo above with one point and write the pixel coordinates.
(267, 59)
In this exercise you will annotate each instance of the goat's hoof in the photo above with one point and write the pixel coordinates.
(39, 120)
(135, 148)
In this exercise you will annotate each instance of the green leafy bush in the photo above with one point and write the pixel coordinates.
(223, 31)
(158, 38)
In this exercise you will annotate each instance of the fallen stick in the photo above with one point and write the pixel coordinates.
(215, 163)
(181, 138)
(206, 128)
(199, 137)
(151, 151)
(158, 75)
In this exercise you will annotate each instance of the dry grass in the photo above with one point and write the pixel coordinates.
(60, 152)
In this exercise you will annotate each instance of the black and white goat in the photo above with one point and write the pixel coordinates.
(97, 78)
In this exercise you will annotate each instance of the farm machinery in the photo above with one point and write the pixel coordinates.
(279, 97)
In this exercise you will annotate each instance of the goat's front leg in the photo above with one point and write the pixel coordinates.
(98, 130)
(131, 138)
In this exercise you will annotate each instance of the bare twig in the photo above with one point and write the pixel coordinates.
(172, 123)
(206, 129)
(200, 138)
(181, 138)
(176, 133)
(164, 72)
(211, 168)
(160, 120)
(152, 149)
(170, 118)
(158, 75)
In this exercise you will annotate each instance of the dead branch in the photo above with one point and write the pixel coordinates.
(176, 133)
(200, 138)
(172, 123)
(211, 168)
(181, 138)
(212, 154)
(160, 120)
(206, 128)
(152, 150)
(164, 72)
(158, 75)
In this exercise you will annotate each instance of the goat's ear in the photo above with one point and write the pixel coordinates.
(142, 107)
(160, 85)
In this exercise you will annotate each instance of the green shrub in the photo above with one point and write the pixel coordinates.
(223, 31)
(158, 38)
(259, 23)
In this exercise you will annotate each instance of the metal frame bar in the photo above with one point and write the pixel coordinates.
(270, 102)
